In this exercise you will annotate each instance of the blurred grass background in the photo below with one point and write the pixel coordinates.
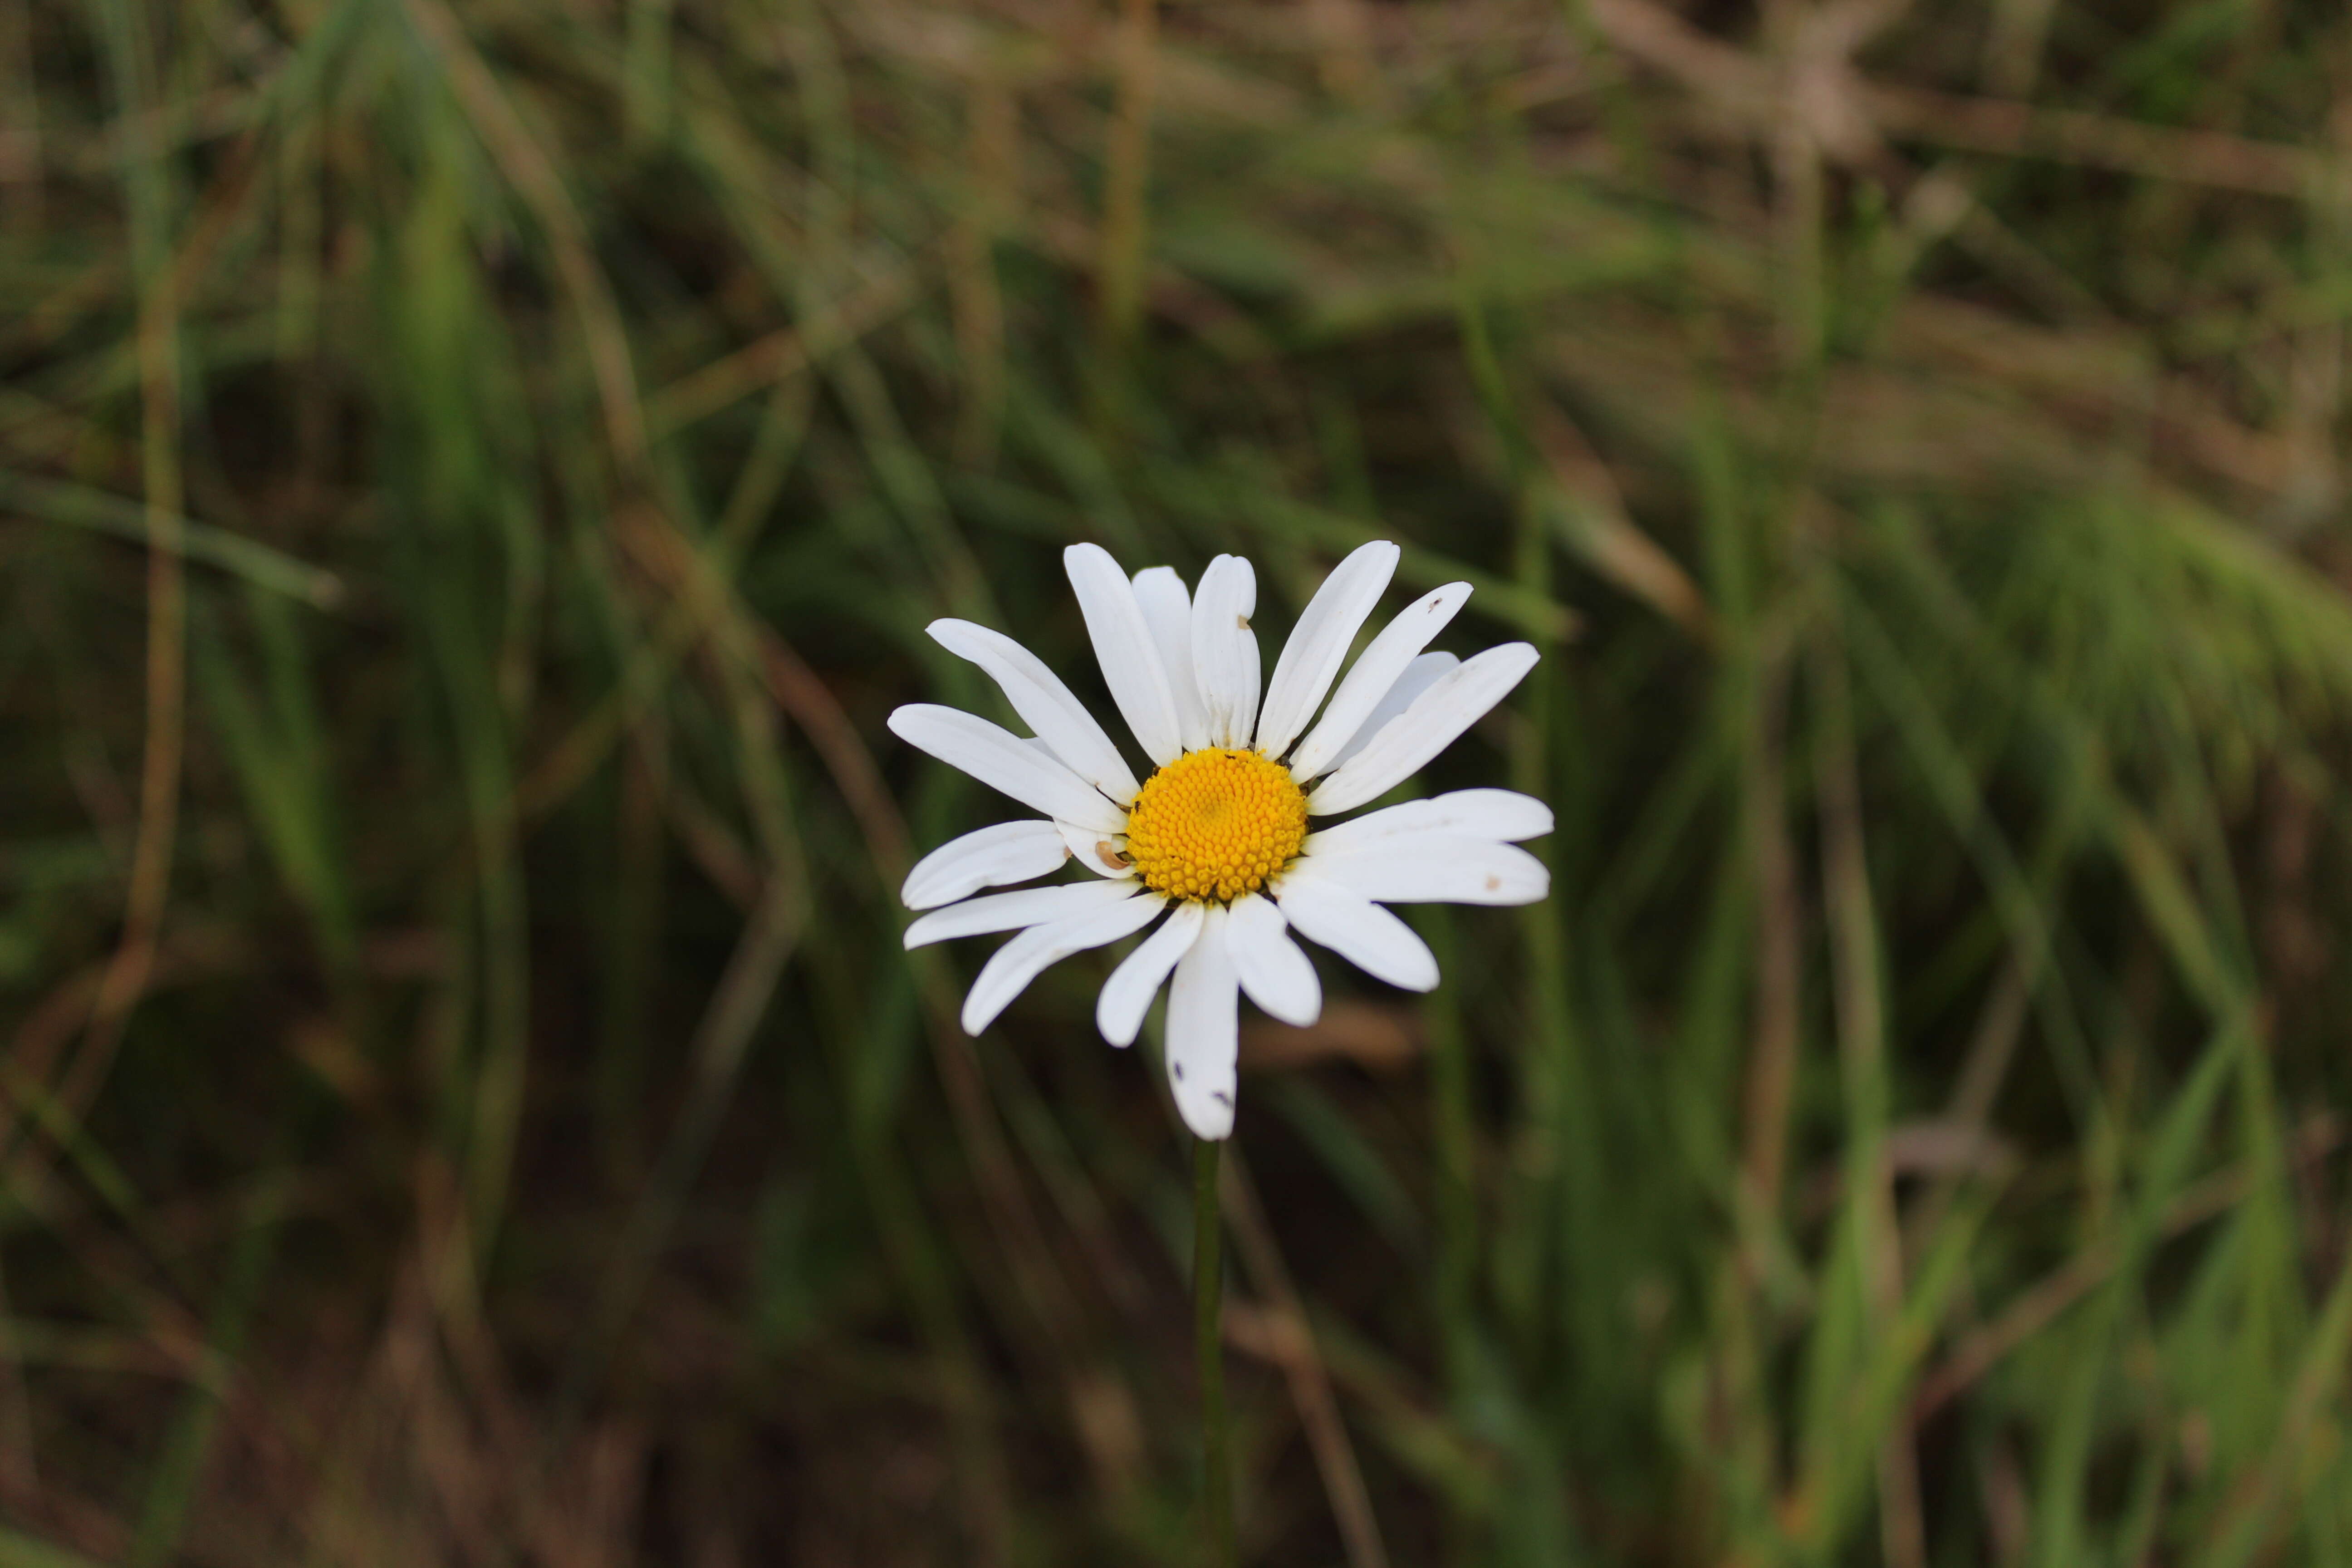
(472, 479)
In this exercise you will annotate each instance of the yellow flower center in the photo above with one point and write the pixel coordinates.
(1215, 824)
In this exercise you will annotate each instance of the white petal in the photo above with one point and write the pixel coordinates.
(1358, 930)
(1044, 704)
(1277, 976)
(1123, 643)
(1453, 702)
(1126, 994)
(1502, 815)
(1011, 968)
(1168, 611)
(1011, 911)
(1224, 649)
(1005, 761)
(1204, 1031)
(1319, 641)
(1008, 852)
(1436, 870)
(1418, 677)
(1095, 852)
(1373, 675)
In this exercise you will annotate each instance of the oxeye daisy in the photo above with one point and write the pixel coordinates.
(1225, 841)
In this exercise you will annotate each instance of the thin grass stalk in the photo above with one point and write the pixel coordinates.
(1453, 1135)
(1208, 1300)
(1770, 1089)
(992, 117)
(1570, 1139)
(128, 44)
(1127, 171)
(1861, 1019)
(1303, 1369)
(1126, 211)
(1453, 1281)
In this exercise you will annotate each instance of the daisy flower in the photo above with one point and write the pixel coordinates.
(1221, 836)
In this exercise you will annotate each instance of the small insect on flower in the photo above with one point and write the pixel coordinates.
(1217, 837)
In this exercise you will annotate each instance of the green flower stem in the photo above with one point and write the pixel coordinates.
(1208, 1297)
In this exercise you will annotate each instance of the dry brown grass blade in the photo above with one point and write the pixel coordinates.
(47, 1027)
(131, 972)
(445, 1263)
(1600, 530)
(1344, 57)
(1728, 78)
(2015, 129)
(162, 752)
(1379, 1036)
(1849, 118)
(781, 355)
(1966, 1122)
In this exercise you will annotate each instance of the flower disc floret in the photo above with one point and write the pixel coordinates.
(1215, 824)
